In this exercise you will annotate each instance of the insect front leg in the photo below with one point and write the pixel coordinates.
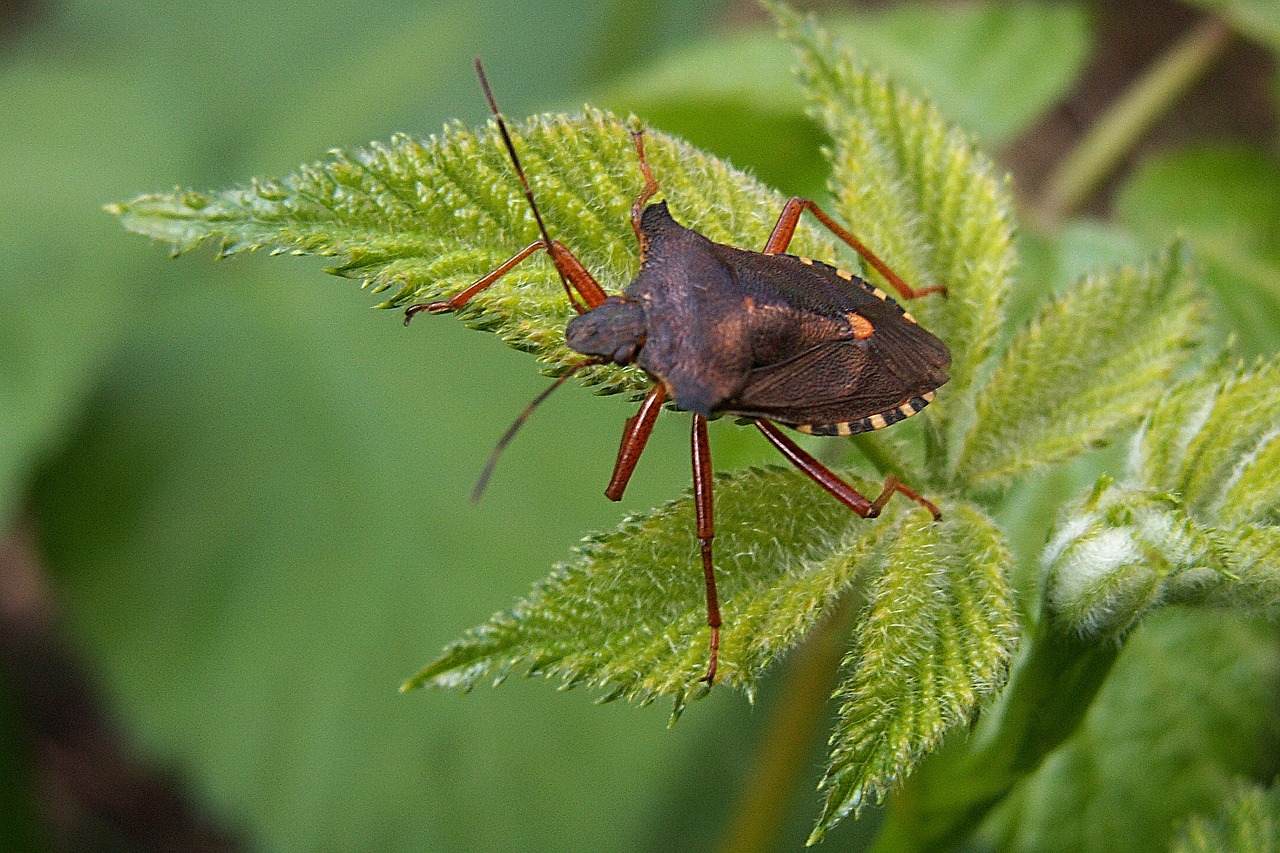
(838, 488)
(785, 229)
(573, 275)
(702, 501)
(464, 296)
(635, 435)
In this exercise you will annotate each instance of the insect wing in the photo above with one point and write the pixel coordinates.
(885, 368)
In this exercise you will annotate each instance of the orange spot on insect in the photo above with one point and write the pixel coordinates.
(862, 328)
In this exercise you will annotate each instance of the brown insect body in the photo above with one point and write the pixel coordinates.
(766, 336)
(730, 331)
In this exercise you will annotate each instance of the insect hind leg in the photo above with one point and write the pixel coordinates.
(702, 502)
(893, 484)
(835, 486)
(785, 229)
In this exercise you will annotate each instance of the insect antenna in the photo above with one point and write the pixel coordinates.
(524, 181)
(483, 482)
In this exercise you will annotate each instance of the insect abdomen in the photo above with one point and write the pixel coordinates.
(879, 420)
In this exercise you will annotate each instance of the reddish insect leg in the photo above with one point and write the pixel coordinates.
(635, 435)
(574, 275)
(702, 500)
(463, 297)
(842, 491)
(786, 229)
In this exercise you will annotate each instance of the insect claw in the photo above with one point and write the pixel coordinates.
(713, 661)
(430, 307)
(701, 692)
(892, 484)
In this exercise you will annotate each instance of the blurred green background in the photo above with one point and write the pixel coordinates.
(245, 493)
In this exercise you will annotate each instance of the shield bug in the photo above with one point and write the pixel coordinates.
(767, 337)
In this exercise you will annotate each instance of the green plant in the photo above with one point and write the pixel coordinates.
(936, 618)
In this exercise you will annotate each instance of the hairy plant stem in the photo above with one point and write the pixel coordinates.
(1107, 144)
(789, 739)
(951, 792)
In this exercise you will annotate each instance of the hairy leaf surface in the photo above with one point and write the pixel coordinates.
(934, 641)
(917, 191)
(628, 615)
(1215, 441)
(1092, 363)
(422, 219)
(1135, 550)
(628, 611)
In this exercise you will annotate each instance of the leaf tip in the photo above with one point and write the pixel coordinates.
(679, 702)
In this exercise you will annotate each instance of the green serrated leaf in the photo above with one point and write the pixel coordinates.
(1248, 822)
(1090, 365)
(933, 643)
(629, 611)
(423, 219)
(990, 67)
(1215, 442)
(918, 192)
(628, 614)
